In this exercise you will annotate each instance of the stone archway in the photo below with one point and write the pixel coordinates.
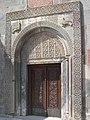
(40, 46)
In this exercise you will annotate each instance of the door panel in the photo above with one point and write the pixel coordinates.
(53, 91)
(38, 88)
(44, 90)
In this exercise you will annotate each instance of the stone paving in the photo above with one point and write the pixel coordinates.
(28, 118)
(32, 118)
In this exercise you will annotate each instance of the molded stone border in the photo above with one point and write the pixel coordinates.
(42, 11)
(77, 55)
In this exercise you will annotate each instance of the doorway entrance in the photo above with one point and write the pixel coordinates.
(44, 90)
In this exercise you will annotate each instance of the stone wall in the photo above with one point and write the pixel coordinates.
(2, 64)
(86, 67)
(5, 63)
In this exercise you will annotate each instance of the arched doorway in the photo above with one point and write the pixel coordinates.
(73, 48)
(41, 48)
(42, 52)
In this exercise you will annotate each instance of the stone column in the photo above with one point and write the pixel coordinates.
(64, 88)
(70, 86)
(67, 87)
(13, 87)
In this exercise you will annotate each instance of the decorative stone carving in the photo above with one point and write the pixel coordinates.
(66, 23)
(43, 45)
(16, 27)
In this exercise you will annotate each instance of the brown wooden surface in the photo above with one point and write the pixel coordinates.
(44, 90)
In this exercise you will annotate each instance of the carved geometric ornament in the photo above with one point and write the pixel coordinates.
(42, 45)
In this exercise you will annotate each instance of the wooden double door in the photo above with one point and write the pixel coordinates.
(44, 90)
